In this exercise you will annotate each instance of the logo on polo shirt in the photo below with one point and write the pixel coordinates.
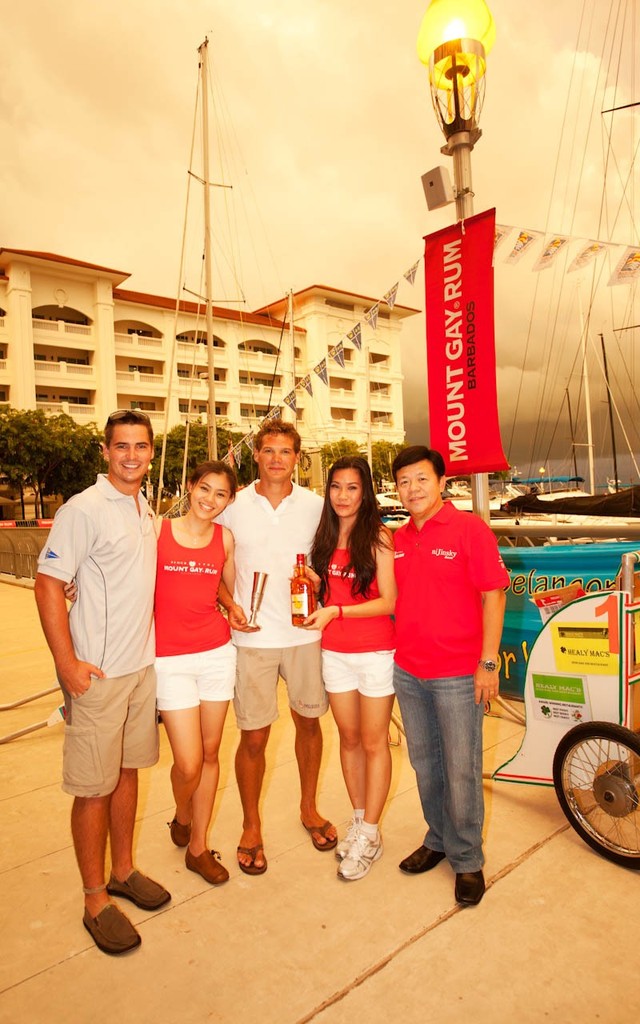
(50, 553)
(443, 553)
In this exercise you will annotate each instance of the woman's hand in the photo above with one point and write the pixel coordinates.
(71, 591)
(321, 617)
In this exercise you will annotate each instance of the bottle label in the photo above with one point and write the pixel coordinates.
(300, 604)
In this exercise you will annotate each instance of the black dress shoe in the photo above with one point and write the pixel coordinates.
(469, 888)
(422, 859)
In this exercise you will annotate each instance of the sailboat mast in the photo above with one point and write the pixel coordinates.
(573, 437)
(291, 384)
(587, 396)
(212, 437)
(609, 403)
(367, 384)
(290, 380)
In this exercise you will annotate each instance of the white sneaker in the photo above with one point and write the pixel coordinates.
(343, 847)
(362, 853)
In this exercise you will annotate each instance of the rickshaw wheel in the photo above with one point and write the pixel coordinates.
(596, 774)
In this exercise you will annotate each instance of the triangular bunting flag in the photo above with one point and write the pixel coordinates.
(628, 268)
(321, 370)
(306, 384)
(290, 400)
(371, 316)
(588, 253)
(502, 230)
(355, 336)
(390, 296)
(273, 414)
(523, 242)
(337, 352)
(410, 274)
(550, 251)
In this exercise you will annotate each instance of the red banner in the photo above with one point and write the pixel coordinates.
(461, 355)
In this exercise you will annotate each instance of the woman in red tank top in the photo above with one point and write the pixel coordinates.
(352, 556)
(195, 659)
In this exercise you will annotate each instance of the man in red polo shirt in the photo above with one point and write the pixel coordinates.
(449, 616)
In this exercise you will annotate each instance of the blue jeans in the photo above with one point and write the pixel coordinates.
(443, 725)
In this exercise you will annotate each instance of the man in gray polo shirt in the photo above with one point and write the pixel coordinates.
(103, 650)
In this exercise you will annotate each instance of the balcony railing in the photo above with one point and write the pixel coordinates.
(135, 377)
(47, 366)
(60, 327)
(261, 387)
(185, 348)
(78, 412)
(133, 340)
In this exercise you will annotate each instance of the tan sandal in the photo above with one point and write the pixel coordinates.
(252, 868)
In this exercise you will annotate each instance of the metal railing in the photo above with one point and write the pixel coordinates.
(533, 535)
(19, 550)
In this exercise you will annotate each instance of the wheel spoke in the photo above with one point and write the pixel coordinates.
(617, 765)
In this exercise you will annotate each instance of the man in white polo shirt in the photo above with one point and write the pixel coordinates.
(272, 521)
(104, 539)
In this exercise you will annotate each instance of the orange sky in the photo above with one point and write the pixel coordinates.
(323, 125)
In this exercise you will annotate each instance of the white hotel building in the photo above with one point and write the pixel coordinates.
(73, 340)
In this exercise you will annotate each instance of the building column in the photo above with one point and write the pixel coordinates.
(106, 400)
(20, 329)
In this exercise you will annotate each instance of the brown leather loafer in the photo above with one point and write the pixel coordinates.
(111, 930)
(422, 859)
(207, 865)
(180, 834)
(469, 888)
(143, 891)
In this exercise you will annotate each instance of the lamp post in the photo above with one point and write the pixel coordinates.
(454, 39)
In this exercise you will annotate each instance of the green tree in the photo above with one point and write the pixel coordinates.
(197, 452)
(48, 454)
(330, 452)
(82, 457)
(382, 455)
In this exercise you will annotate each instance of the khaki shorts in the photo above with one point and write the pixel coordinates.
(256, 697)
(111, 726)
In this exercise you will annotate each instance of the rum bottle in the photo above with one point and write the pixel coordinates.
(303, 598)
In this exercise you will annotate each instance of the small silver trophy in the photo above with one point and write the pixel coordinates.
(259, 580)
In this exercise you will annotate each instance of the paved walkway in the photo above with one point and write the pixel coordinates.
(553, 939)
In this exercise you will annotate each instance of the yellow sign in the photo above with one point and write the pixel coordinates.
(583, 647)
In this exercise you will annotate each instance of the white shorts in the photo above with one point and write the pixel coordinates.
(185, 680)
(368, 672)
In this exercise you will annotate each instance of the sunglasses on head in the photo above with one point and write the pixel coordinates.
(128, 416)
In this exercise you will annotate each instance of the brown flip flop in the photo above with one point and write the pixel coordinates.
(321, 830)
(252, 868)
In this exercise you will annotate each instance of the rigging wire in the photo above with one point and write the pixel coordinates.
(610, 67)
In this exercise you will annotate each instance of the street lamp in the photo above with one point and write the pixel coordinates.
(454, 39)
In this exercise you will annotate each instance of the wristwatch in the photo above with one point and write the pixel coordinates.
(488, 664)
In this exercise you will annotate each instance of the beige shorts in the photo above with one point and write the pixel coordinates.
(256, 697)
(111, 726)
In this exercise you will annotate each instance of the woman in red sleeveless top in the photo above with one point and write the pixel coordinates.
(195, 659)
(352, 556)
